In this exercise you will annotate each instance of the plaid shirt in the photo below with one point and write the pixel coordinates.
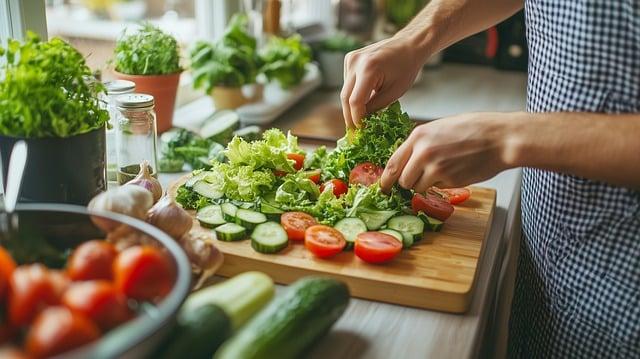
(578, 284)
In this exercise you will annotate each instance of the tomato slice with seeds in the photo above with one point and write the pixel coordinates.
(376, 247)
(433, 205)
(338, 186)
(456, 195)
(324, 241)
(365, 174)
(296, 223)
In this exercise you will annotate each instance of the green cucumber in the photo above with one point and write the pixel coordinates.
(210, 216)
(269, 237)
(350, 228)
(393, 233)
(195, 178)
(230, 232)
(407, 223)
(291, 322)
(249, 219)
(273, 213)
(375, 219)
(207, 189)
(220, 126)
(229, 211)
(407, 240)
(208, 317)
(433, 224)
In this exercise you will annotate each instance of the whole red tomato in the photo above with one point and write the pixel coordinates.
(143, 273)
(99, 301)
(92, 260)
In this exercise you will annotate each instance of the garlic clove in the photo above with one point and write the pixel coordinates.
(145, 180)
(131, 201)
(171, 218)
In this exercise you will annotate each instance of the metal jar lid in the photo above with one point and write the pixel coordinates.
(134, 101)
(119, 87)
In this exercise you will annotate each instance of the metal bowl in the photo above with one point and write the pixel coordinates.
(64, 227)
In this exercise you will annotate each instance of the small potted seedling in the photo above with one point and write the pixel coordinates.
(227, 69)
(151, 59)
(49, 99)
(285, 60)
(331, 53)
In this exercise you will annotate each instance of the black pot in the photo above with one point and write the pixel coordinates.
(61, 170)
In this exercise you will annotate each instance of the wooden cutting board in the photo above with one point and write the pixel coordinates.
(437, 273)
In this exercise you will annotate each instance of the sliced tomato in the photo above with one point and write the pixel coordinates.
(456, 195)
(32, 288)
(365, 174)
(299, 160)
(7, 266)
(143, 273)
(339, 187)
(58, 330)
(92, 260)
(376, 247)
(296, 223)
(324, 241)
(433, 205)
(314, 176)
(99, 301)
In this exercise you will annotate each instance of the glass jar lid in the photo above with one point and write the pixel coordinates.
(119, 87)
(134, 101)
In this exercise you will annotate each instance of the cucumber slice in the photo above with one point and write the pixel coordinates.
(407, 240)
(375, 219)
(249, 219)
(229, 211)
(230, 232)
(434, 225)
(208, 190)
(220, 126)
(269, 237)
(195, 178)
(272, 213)
(210, 216)
(393, 233)
(410, 224)
(350, 228)
(249, 133)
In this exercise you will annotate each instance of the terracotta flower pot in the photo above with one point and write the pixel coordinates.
(230, 98)
(163, 88)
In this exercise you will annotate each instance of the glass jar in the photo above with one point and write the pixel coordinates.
(136, 135)
(114, 89)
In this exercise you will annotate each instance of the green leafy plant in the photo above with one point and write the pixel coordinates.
(285, 60)
(340, 42)
(400, 12)
(46, 91)
(150, 51)
(231, 62)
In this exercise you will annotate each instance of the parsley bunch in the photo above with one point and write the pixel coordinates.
(150, 51)
(44, 91)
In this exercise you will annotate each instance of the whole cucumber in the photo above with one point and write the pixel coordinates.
(291, 322)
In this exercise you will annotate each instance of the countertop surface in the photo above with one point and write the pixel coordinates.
(379, 330)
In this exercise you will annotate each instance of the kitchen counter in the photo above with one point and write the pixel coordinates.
(379, 330)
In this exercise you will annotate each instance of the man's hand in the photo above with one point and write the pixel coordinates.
(451, 152)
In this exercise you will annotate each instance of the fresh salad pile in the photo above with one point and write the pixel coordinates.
(277, 192)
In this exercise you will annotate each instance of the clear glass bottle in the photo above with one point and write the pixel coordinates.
(114, 89)
(136, 135)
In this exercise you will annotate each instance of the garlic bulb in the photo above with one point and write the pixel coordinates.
(170, 217)
(145, 180)
(204, 256)
(132, 201)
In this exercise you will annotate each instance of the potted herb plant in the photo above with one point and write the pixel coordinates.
(285, 60)
(227, 69)
(151, 59)
(49, 99)
(331, 53)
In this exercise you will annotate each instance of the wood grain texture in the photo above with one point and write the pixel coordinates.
(437, 273)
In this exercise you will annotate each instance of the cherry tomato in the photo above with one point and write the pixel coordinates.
(324, 241)
(339, 187)
(433, 205)
(7, 266)
(32, 288)
(57, 330)
(365, 174)
(143, 273)
(299, 160)
(295, 223)
(99, 301)
(456, 195)
(92, 260)
(314, 176)
(376, 247)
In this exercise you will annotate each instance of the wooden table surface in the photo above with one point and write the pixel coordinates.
(379, 330)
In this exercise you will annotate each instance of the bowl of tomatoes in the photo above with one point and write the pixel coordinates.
(69, 289)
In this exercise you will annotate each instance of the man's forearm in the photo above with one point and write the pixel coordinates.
(595, 146)
(444, 22)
